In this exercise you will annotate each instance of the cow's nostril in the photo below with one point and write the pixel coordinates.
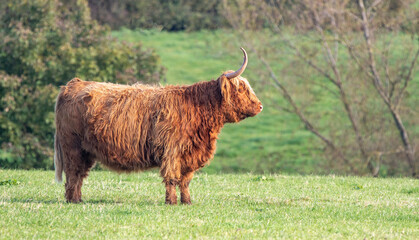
(261, 107)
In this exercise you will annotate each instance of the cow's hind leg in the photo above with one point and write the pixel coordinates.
(77, 166)
(185, 196)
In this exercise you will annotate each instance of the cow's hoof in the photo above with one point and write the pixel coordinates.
(171, 202)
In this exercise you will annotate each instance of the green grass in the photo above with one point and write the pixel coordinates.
(273, 141)
(225, 206)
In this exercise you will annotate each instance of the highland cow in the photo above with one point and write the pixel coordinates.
(138, 127)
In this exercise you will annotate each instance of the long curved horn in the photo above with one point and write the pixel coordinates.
(241, 69)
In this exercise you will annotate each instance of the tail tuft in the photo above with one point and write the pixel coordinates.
(58, 160)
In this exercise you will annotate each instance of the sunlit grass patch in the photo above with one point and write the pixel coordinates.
(224, 206)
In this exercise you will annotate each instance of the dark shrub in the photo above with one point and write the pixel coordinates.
(172, 15)
(44, 44)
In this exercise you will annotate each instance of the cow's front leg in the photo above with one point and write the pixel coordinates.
(185, 196)
(171, 197)
(170, 171)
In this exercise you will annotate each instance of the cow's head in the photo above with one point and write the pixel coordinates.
(239, 99)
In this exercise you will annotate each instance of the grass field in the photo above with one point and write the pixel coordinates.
(225, 206)
(273, 141)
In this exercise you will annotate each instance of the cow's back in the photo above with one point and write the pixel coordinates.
(113, 122)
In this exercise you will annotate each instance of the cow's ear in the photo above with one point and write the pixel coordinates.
(225, 86)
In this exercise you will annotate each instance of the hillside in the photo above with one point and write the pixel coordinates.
(273, 141)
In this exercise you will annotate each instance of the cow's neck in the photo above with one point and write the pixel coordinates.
(206, 98)
(206, 102)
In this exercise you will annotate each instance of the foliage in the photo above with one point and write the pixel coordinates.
(173, 15)
(259, 14)
(44, 44)
(191, 15)
(225, 206)
(361, 61)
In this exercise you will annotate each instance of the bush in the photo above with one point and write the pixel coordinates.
(173, 15)
(44, 44)
(191, 15)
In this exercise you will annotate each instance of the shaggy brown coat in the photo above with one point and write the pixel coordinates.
(133, 128)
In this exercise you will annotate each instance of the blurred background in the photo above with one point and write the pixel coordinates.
(339, 79)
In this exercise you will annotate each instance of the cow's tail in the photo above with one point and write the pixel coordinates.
(58, 160)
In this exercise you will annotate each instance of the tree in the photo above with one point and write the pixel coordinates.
(44, 44)
(347, 49)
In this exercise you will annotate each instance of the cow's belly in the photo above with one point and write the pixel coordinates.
(126, 165)
(120, 161)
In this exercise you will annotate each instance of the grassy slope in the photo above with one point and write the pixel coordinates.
(274, 141)
(224, 206)
(270, 142)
